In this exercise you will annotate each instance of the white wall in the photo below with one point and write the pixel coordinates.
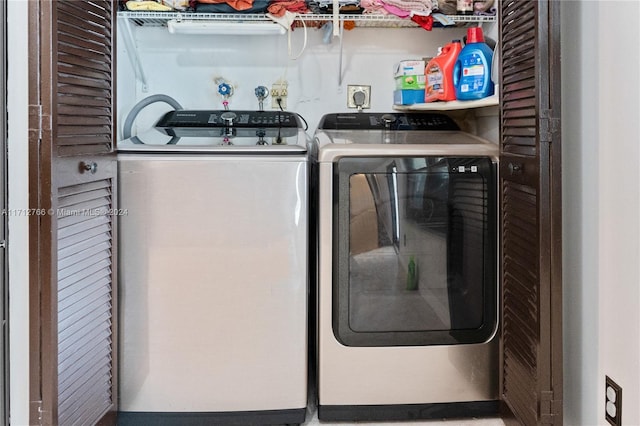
(185, 67)
(601, 188)
(619, 278)
(18, 200)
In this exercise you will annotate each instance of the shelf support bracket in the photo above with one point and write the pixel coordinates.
(340, 74)
(336, 18)
(133, 55)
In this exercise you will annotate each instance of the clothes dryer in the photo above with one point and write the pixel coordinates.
(407, 260)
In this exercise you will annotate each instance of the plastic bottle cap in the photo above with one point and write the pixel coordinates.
(474, 35)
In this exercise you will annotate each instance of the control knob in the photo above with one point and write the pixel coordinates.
(388, 120)
(228, 117)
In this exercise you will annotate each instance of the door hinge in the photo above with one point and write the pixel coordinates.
(35, 120)
(549, 408)
(549, 125)
(36, 411)
(38, 122)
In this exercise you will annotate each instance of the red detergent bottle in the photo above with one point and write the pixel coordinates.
(439, 74)
(472, 70)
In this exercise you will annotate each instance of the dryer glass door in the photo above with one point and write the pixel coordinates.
(415, 251)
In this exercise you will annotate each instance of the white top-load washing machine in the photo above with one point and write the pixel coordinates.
(213, 270)
(407, 260)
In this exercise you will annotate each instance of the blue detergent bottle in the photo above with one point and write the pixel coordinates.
(472, 71)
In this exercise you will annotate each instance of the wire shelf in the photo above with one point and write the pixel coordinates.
(159, 19)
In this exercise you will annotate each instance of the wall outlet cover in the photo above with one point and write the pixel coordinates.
(613, 402)
(352, 89)
(279, 93)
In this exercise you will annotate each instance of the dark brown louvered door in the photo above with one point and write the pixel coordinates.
(531, 385)
(73, 230)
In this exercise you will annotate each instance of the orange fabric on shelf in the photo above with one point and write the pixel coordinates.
(278, 7)
(236, 4)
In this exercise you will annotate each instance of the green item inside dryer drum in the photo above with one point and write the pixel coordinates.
(412, 275)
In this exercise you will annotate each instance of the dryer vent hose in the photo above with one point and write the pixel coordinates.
(128, 122)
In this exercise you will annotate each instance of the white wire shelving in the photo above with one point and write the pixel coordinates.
(156, 19)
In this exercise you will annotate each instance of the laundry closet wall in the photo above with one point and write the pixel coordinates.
(185, 67)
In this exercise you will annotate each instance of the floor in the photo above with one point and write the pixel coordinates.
(312, 419)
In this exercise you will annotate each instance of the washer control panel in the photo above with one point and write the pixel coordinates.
(230, 124)
(212, 119)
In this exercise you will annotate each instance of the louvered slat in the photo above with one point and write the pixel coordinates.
(75, 239)
(83, 225)
(87, 111)
(101, 249)
(81, 374)
(87, 45)
(82, 44)
(81, 246)
(90, 211)
(84, 302)
(89, 395)
(94, 345)
(66, 192)
(91, 411)
(525, 71)
(520, 395)
(91, 89)
(78, 293)
(82, 332)
(73, 56)
(71, 26)
(82, 202)
(90, 12)
(94, 206)
(84, 79)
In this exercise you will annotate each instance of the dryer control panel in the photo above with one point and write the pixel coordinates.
(391, 121)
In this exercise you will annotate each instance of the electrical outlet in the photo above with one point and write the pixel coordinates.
(279, 93)
(354, 92)
(613, 402)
